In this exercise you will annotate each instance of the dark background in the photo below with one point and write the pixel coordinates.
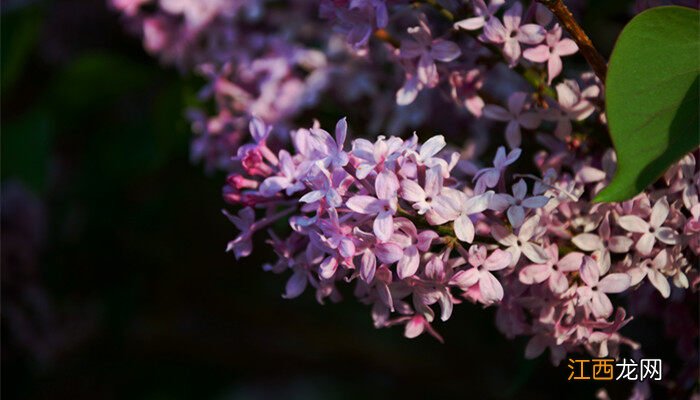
(115, 283)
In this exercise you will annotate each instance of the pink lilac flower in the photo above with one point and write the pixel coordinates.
(242, 246)
(365, 222)
(692, 229)
(428, 150)
(604, 243)
(421, 198)
(652, 230)
(465, 90)
(428, 50)
(551, 52)
(481, 275)
(377, 6)
(287, 181)
(458, 207)
(335, 154)
(412, 243)
(572, 106)
(489, 177)
(518, 202)
(553, 271)
(654, 271)
(383, 206)
(376, 155)
(594, 292)
(685, 178)
(324, 189)
(515, 115)
(522, 242)
(482, 13)
(511, 33)
(356, 23)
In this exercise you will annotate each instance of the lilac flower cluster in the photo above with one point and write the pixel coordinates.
(275, 62)
(392, 217)
(257, 59)
(414, 227)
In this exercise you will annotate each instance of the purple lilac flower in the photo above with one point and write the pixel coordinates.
(510, 33)
(551, 52)
(515, 115)
(427, 50)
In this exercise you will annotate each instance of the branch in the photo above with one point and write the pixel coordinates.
(594, 59)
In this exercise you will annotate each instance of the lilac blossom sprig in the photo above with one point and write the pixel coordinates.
(389, 216)
(414, 228)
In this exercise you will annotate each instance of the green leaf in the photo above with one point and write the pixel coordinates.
(652, 97)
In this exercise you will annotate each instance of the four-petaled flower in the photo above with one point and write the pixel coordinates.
(652, 230)
(593, 293)
(551, 52)
(510, 33)
(482, 13)
(489, 177)
(489, 287)
(383, 206)
(518, 202)
(427, 50)
(604, 243)
(522, 242)
(553, 270)
(421, 198)
(515, 115)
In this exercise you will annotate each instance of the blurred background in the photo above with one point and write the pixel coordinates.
(115, 283)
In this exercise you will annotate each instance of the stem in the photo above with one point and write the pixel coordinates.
(442, 10)
(592, 56)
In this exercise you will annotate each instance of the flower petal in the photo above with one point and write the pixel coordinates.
(531, 34)
(615, 283)
(660, 282)
(465, 278)
(432, 146)
(498, 260)
(490, 288)
(368, 266)
(388, 253)
(497, 113)
(412, 191)
(633, 223)
(408, 264)
(295, 285)
(383, 225)
(570, 262)
(539, 54)
(516, 216)
(534, 273)
(444, 50)
(534, 252)
(589, 271)
(464, 228)
(659, 212)
(645, 244)
(601, 305)
(588, 242)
